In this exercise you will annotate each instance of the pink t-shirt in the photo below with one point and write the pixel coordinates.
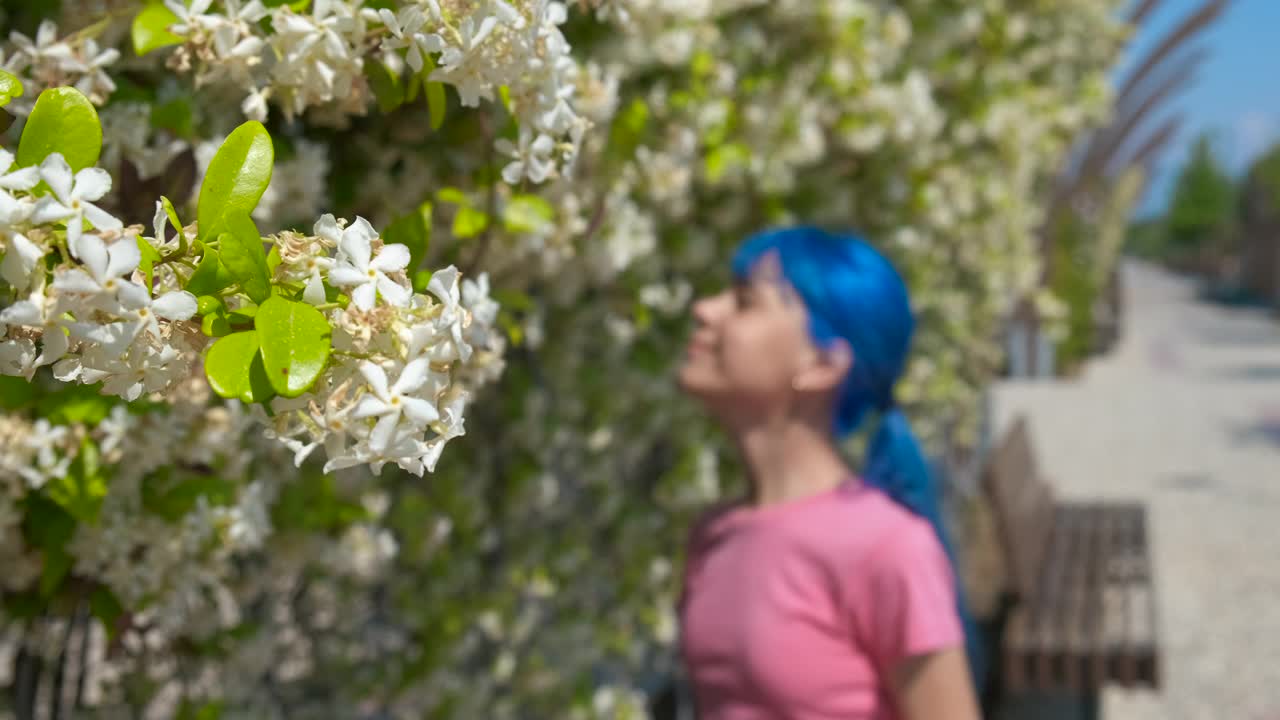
(798, 611)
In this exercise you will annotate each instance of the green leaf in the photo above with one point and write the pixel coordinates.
(297, 5)
(211, 710)
(76, 404)
(452, 195)
(234, 368)
(504, 92)
(238, 175)
(242, 252)
(210, 275)
(173, 215)
(273, 259)
(469, 222)
(312, 503)
(216, 325)
(165, 498)
(437, 105)
(386, 86)
(63, 121)
(421, 279)
(16, 392)
(209, 305)
(151, 29)
(57, 562)
(45, 524)
(176, 116)
(527, 213)
(413, 230)
(10, 87)
(150, 256)
(106, 608)
(295, 344)
(81, 490)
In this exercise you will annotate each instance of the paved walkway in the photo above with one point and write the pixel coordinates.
(1185, 415)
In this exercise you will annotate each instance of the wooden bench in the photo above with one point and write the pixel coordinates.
(1080, 606)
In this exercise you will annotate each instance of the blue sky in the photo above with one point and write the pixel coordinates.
(1236, 93)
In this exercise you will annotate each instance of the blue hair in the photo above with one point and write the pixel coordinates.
(853, 293)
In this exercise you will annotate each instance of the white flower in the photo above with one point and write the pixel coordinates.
(71, 201)
(20, 260)
(39, 311)
(17, 357)
(357, 269)
(458, 65)
(20, 179)
(176, 305)
(404, 28)
(532, 157)
(190, 18)
(388, 404)
(444, 285)
(105, 267)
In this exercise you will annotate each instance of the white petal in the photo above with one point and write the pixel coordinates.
(314, 292)
(415, 57)
(389, 19)
(125, 257)
(94, 254)
(92, 183)
(343, 274)
(57, 174)
(75, 227)
(513, 172)
(100, 218)
(20, 260)
(376, 378)
(444, 285)
(25, 312)
(420, 411)
(77, 281)
(159, 221)
(49, 210)
(393, 293)
(132, 295)
(392, 258)
(383, 431)
(327, 228)
(54, 345)
(6, 161)
(412, 376)
(23, 179)
(177, 305)
(370, 407)
(364, 296)
(356, 241)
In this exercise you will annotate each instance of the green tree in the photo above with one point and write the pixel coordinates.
(1203, 204)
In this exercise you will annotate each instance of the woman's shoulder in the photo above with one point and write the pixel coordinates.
(869, 518)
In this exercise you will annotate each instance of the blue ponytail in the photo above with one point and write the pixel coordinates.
(854, 294)
(896, 464)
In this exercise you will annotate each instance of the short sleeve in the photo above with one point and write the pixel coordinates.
(912, 596)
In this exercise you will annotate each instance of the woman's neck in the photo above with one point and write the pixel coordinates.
(789, 460)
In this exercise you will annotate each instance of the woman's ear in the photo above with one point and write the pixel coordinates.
(829, 371)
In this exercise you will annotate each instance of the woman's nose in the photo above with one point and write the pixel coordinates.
(704, 310)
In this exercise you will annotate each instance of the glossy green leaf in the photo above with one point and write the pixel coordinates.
(151, 29)
(469, 222)
(386, 86)
(238, 175)
(215, 325)
(273, 260)
(234, 368)
(64, 121)
(242, 252)
(209, 304)
(10, 87)
(413, 230)
(172, 213)
(210, 275)
(295, 344)
(150, 256)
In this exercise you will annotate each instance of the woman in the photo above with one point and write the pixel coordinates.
(825, 594)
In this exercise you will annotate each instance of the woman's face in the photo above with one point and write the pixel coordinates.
(749, 345)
